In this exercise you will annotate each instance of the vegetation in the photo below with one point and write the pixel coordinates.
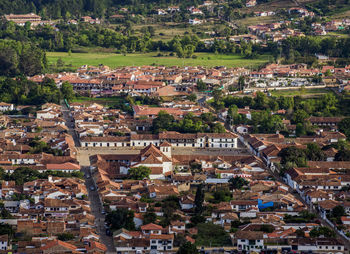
(304, 217)
(344, 127)
(25, 174)
(322, 231)
(22, 91)
(17, 58)
(212, 235)
(121, 218)
(169, 206)
(199, 199)
(65, 236)
(238, 182)
(39, 146)
(113, 60)
(189, 124)
(139, 173)
(187, 248)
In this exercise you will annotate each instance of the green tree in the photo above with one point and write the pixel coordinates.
(164, 121)
(344, 126)
(299, 116)
(241, 83)
(294, 155)
(314, 152)
(199, 199)
(149, 217)
(192, 97)
(121, 218)
(238, 182)
(201, 86)
(187, 248)
(65, 236)
(342, 155)
(338, 211)
(322, 231)
(139, 173)
(67, 91)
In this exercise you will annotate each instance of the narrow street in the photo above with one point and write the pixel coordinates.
(95, 201)
(96, 209)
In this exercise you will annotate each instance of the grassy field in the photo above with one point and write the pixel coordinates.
(312, 92)
(110, 101)
(117, 60)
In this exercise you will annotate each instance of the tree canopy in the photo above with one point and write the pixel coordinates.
(139, 173)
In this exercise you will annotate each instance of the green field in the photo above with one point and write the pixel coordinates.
(116, 60)
(108, 101)
(312, 92)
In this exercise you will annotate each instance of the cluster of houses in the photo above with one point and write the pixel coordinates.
(47, 213)
(263, 202)
(147, 80)
(49, 210)
(322, 185)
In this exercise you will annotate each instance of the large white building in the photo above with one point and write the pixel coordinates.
(226, 140)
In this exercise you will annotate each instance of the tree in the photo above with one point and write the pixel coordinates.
(238, 182)
(187, 248)
(218, 128)
(121, 218)
(139, 173)
(149, 217)
(342, 155)
(299, 116)
(164, 121)
(59, 63)
(199, 199)
(338, 211)
(65, 236)
(322, 231)
(344, 126)
(241, 83)
(192, 97)
(201, 86)
(293, 155)
(314, 152)
(300, 130)
(67, 91)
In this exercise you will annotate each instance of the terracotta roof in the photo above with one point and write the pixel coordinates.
(54, 243)
(151, 226)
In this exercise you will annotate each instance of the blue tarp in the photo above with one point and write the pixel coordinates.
(264, 206)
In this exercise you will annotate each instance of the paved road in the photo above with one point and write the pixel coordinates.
(95, 201)
(96, 209)
(70, 124)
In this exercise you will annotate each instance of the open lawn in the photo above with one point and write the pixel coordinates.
(311, 92)
(109, 101)
(116, 60)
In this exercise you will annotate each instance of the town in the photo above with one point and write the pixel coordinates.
(174, 127)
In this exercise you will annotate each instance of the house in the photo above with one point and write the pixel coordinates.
(57, 246)
(161, 242)
(187, 202)
(251, 241)
(195, 21)
(6, 106)
(151, 229)
(324, 121)
(22, 19)
(250, 3)
(317, 245)
(161, 12)
(4, 242)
